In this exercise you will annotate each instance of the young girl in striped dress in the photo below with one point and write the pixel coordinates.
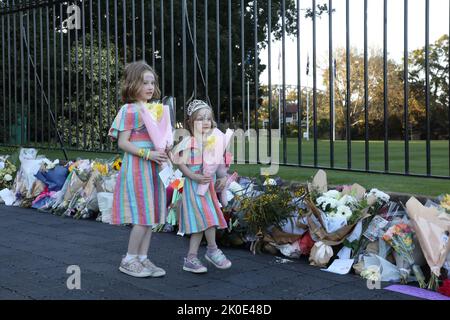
(139, 196)
(199, 215)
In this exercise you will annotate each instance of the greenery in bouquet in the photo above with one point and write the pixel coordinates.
(7, 173)
(270, 208)
(400, 238)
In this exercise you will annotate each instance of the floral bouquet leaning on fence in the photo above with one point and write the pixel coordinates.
(400, 237)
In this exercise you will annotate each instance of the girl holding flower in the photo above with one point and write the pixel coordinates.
(199, 214)
(139, 196)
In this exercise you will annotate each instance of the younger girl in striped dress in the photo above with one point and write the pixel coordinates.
(199, 215)
(139, 196)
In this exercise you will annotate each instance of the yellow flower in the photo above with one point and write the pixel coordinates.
(445, 203)
(117, 164)
(102, 168)
(210, 143)
(156, 110)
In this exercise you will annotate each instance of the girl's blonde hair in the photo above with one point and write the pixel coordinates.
(133, 80)
(191, 119)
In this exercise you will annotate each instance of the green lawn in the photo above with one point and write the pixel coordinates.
(413, 185)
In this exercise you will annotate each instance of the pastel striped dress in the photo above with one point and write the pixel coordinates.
(139, 196)
(196, 213)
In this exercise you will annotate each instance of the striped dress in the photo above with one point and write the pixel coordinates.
(139, 195)
(196, 213)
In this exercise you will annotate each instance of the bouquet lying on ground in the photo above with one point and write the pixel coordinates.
(400, 237)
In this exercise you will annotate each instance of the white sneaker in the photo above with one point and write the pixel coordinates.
(134, 268)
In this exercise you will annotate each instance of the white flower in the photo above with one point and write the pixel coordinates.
(270, 182)
(380, 195)
(344, 211)
(347, 200)
(371, 273)
(8, 177)
(332, 194)
(324, 202)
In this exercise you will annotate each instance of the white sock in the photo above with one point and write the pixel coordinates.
(142, 258)
(130, 257)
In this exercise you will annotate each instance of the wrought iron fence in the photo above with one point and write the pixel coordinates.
(61, 64)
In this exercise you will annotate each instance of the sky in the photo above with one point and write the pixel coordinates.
(439, 25)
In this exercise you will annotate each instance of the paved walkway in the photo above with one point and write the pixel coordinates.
(37, 248)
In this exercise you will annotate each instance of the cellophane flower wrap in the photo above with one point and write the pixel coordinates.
(156, 117)
(213, 155)
(432, 229)
(400, 237)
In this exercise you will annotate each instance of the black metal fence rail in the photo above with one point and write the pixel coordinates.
(61, 63)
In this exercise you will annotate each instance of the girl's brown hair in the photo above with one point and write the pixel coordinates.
(191, 119)
(133, 80)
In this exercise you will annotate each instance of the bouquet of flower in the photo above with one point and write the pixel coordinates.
(156, 117)
(7, 173)
(400, 237)
(432, 228)
(376, 200)
(213, 155)
(445, 202)
(334, 214)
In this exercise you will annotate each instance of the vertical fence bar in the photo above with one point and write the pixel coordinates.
(256, 81)
(331, 79)
(49, 124)
(41, 89)
(100, 93)
(62, 72)
(385, 81)
(22, 81)
(315, 82)
(91, 50)
(172, 49)
(283, 63)
(15, 67)
(194, 61)
(206, 49)
(3, 79)
(406, 85)
(230, 65)
(55, 74)
(133, 27)
(8, 36)
(108, 66)
(124, 32)
(35, 83)
(366, 88)
(83, 22)
(299, 89)
(348, 103)
(427, 82)
(163, 66)
(269, 47)
(116, 63)
(70, 87)
(183, 28)
(153, 33)
(242, 65)
(28, 55)
(77, 103)
(143, 28)
(218, 58)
